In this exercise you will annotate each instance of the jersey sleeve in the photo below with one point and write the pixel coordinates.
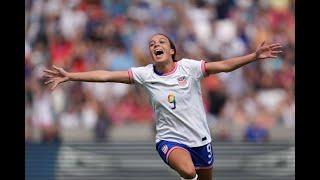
(137, 75)
(196, 68)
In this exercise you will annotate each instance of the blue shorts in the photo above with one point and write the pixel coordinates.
(202, 157)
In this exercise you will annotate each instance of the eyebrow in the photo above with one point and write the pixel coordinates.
(154, 40)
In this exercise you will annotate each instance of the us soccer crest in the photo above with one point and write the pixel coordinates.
(182, 80)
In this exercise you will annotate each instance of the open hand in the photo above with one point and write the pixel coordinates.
(56, 76)
(268, 51)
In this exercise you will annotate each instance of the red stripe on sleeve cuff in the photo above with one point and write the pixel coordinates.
(203, 68)
(130, 76)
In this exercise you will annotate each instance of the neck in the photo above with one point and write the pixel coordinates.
(165, 67)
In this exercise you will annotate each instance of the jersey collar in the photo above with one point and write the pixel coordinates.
(168, 73)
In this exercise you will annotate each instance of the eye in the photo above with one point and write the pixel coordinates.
(162, 42)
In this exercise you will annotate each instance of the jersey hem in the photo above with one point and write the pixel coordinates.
(187, 144)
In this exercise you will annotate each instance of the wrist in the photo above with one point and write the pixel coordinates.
(69, 76)
(254, 56)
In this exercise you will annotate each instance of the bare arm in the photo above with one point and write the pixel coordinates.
(58, 75)
(101, 76)
(263, 52)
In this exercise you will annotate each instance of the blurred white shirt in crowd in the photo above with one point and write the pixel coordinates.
(42, 115)
(200, 18)
(270, 99)
(58, 100)
(69, 120)
(107, 92)
(288, 115)
(72, 21)
(89, 117)
(53, 7)
(235, 83)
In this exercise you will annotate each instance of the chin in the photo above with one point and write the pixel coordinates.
(160, 60)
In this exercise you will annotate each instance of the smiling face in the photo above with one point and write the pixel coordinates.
(160, 48)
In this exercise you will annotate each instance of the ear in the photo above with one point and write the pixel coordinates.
(172, 51)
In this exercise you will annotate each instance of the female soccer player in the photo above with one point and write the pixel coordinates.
(183, 139)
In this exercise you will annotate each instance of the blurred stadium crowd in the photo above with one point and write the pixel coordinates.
(84, 35)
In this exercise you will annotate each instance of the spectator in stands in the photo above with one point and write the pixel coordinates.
(255, 132)
(102, 126)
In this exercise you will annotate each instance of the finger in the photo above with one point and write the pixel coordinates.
(51, 72)
(64, 79)
(276, 47)
(275, 44)
(264, 48)
(272, 56)
(263, 42)
(54, 86)
(56, 68)
(48, 82)
(276, 52)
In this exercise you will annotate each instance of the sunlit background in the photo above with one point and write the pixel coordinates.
(106, 130)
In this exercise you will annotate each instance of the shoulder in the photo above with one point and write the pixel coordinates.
(142, 72)
(191, 63)
(195, 67)
(184, 61)
(187, 61)
(143, 69)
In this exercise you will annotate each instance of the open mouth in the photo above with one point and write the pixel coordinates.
(158, 52)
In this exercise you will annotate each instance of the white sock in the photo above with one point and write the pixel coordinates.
(195, 178)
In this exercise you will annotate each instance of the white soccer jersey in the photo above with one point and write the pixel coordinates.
(177, 101)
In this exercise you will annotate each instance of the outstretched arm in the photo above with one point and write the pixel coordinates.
(59, 75)
(262, 52)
